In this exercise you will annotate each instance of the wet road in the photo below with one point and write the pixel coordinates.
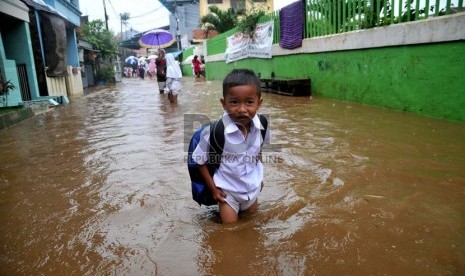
(100, 187)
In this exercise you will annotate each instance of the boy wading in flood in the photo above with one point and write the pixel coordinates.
(239, 179)
(173, 78)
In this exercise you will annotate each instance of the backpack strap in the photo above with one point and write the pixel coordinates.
(216, 144)
(217, 141)
(264, 123)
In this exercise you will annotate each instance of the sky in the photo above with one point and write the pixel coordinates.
(145, 14)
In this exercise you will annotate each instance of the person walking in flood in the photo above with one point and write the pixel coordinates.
(142, 70)
(173, 78)
(160, 63)
(152, 69)
(237, 182)
(197, 66)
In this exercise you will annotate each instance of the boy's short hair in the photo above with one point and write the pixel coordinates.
(238, 77)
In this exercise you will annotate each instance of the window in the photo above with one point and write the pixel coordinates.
(215, 2)
(237, 4)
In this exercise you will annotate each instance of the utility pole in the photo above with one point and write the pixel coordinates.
(177, 33)
(106, 16)
(177, 25)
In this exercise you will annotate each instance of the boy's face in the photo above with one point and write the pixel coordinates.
(242, 103)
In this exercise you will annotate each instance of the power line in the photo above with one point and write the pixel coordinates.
(113, 8)
(132, 20)
(147, 13)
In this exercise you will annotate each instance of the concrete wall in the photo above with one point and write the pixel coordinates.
(18, 50)
(416, 67)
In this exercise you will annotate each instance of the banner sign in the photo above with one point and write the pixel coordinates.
(237, 47)
(240, 46)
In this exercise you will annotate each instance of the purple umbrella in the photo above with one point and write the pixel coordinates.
(156, 39)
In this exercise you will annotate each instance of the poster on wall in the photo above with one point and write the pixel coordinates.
(260, 45)
(240, 46)
(237, 47)
(185, 42)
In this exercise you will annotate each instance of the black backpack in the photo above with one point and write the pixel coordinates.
(200, 191)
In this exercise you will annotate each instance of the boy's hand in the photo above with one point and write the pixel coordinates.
(219, 195)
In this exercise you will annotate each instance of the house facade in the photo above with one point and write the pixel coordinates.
(265, 5)
(16, 55)
(39, 50)
(185, 16)
(184, 19)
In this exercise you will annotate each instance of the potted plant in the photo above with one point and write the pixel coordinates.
(5, 88)
(249, 21)
(106, 74)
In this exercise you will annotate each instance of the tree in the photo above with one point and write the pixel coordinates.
(101, 39)
(220, 21)
(124, 17)
(248, 22)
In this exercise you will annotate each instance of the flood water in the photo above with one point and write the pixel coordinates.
(100, 187)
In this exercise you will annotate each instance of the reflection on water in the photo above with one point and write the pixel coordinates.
(100, 187)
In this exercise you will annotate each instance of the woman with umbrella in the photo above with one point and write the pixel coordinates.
(160, 63)
(158, 38)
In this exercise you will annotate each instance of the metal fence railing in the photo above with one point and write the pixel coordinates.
(326, 17)
(23, 82)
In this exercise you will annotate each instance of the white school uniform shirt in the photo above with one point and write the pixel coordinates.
(240, 170)
(173, 75)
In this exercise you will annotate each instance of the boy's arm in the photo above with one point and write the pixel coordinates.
(217, 193)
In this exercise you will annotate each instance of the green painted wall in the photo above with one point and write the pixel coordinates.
(187, 70)
(186, 66)
(426, 79)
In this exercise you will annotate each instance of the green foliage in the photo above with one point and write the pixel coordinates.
(106, 73)
(249, 20)
(220, 21)
(5, 88)
(124, 17)
(223, 21)
(101, 39)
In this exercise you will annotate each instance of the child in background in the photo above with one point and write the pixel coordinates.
(173, 78)
(160, 63)
(239, 178)
(197, 66)
(152, 69)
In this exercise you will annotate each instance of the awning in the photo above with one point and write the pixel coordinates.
(176, 54)
(42, 6)
(131, 43)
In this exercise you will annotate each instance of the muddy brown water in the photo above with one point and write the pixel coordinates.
(100, 187)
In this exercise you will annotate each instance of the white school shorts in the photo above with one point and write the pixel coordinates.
(173, 86)
(161, 85)
(241, 201)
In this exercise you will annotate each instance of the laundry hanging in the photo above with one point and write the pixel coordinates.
(292, 25)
